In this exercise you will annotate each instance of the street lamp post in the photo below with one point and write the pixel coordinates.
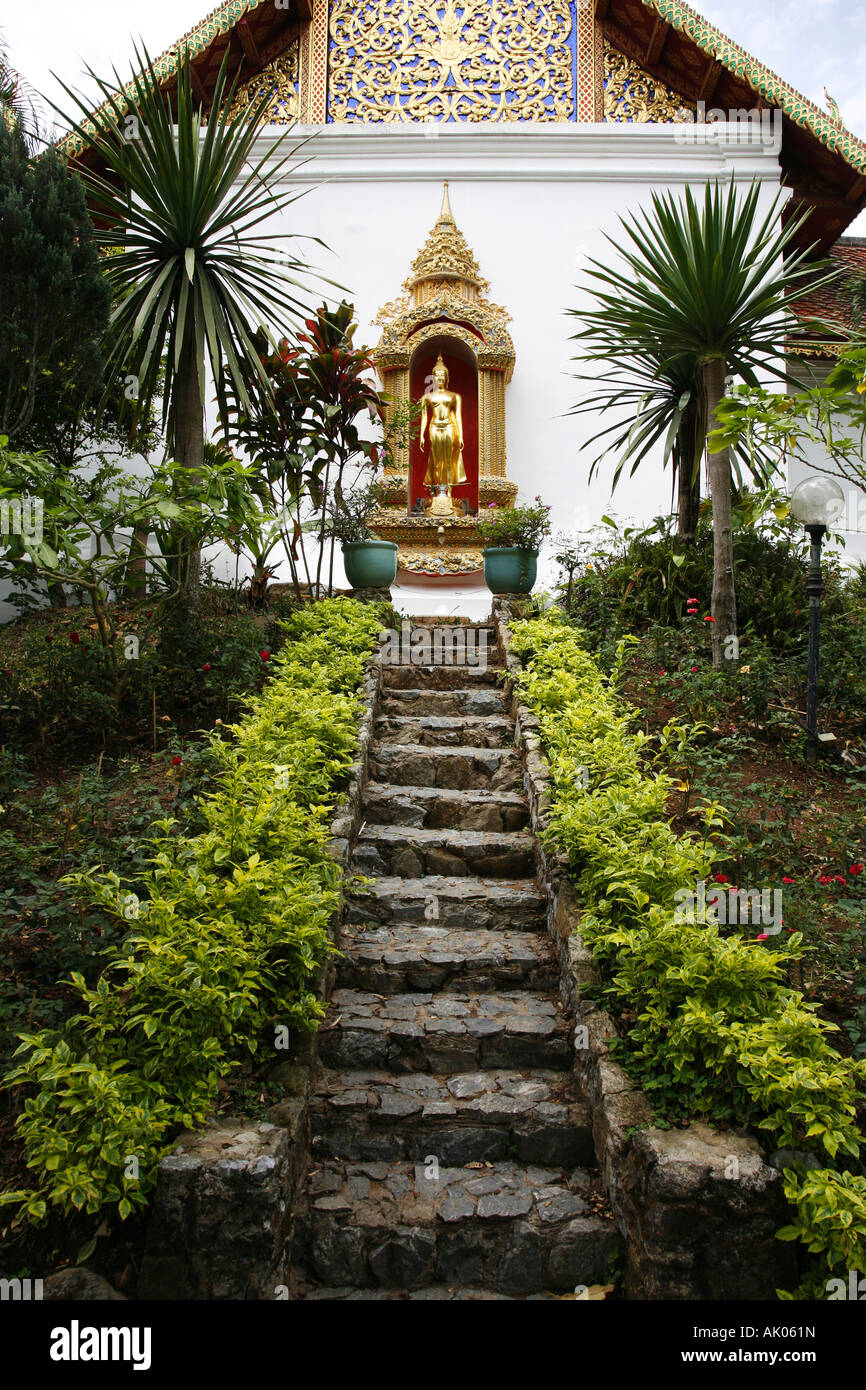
(817, 502)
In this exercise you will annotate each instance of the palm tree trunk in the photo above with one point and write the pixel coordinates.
(189, 439)
(724, 603)
(135, 582)
(688, 490)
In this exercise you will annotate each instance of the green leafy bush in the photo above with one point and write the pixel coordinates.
(525, 527)
(226, 946)
(717, 1030)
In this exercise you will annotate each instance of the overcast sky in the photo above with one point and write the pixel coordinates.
(810, 43)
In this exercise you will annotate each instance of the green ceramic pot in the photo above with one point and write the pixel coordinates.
(370, 564)
(509, 569)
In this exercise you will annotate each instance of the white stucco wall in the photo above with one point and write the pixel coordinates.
(534, 202)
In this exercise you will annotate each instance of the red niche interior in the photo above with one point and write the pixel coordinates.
(462, 378)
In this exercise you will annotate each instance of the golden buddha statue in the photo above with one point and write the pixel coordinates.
(444, 409)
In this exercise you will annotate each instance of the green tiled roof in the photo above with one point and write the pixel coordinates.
(219, 21)
(795, 106)
(198, 40)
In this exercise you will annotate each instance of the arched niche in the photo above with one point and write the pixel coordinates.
(462, 367)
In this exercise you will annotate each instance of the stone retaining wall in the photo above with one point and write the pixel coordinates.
(697, 1207)
(221, 1220)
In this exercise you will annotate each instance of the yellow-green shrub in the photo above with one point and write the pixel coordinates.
(225, 947)
(718, 1031)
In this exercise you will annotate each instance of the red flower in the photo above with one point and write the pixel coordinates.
(825, 878)
(708, 619)
(206, 666)
(74, 638)
(789, 880)
(694, 668)
(839, 878)
(720, 878)
(856, 869)
(692, 600)
(266, 656)
(762, 937)
(176, 761)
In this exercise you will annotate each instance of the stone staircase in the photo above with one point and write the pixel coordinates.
(452, 1152)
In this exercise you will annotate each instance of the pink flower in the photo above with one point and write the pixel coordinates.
(762, 937)
(694, 668)
(789, 880)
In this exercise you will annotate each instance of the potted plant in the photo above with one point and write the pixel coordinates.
(369, 563)
(512, 537)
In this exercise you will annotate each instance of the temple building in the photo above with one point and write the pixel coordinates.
(465, 161)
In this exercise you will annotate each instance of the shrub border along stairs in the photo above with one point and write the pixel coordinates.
(703, 1213)
(222, 1216)
(234, 947)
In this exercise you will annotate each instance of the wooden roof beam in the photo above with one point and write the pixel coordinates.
(277, 46)
(248, 42)
(856, 191)
(304, 9)
(661, 29)
(198, 86)
(601, 8)
(710, 81)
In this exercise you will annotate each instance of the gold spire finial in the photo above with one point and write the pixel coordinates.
(446, 215)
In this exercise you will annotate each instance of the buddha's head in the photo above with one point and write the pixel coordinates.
(440, 374)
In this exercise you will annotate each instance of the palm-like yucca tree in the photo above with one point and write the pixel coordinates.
(180, 208)
(655, 403)
(710, 284)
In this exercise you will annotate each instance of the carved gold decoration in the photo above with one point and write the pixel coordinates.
(444, 293)
(280, 81)
(445, 297)
(441, 60)
(630, 94)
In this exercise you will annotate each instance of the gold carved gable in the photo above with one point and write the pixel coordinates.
(280, 81)
(444, 292)
(441, 60)
(631, 94)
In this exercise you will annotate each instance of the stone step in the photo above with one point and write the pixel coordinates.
(465, 1118)
(441, 677)
(414, 765)
(440, 643)
(404, 851)
(445, 1032)
(444, 808)
(480, 700)
(446, 730)
(469, 903)
(395, 1225)
(400, 959)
